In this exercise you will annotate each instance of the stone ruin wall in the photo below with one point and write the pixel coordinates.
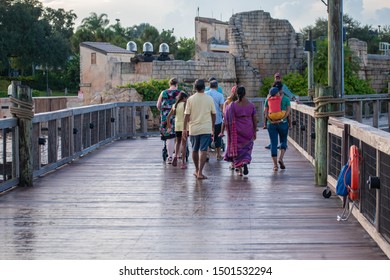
(262, 46)
(378, 72)
(221, 66)
(218, 65)
(259, 47)
(373, 68)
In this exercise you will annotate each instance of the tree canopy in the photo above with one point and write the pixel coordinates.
(297, 82)
(352, 29)
(33, 35)
(98, 28)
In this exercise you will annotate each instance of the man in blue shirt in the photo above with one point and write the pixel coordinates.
(219, 88)
(218, 102)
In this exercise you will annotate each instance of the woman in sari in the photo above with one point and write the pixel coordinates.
(240, 123)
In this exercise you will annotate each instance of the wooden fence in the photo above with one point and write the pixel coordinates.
(372, 208)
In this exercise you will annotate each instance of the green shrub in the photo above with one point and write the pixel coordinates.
(150, 90)
(296, 82)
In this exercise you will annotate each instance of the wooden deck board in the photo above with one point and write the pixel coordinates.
(123, 202)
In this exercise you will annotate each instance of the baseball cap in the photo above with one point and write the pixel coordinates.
(273, 91)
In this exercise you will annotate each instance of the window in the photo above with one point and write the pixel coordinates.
(93, 58)
(203, 35)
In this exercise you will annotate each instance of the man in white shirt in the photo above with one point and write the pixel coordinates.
(199, 121)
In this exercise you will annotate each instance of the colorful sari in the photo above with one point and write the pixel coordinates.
(240, 131)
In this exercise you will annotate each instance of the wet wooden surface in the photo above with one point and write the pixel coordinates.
(123, 202)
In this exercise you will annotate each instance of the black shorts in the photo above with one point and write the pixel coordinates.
(178, 134)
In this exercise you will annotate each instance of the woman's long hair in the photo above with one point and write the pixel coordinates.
(240, 92)
(182, 95)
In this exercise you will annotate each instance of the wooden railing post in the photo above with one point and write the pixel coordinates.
(357, 111)
(376, 110)
(23, 110)
(321, 140)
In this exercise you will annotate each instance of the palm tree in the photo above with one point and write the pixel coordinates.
(95, 24)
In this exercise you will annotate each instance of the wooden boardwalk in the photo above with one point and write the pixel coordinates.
(122, 202)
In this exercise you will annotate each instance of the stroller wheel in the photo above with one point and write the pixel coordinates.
(164, 154)
(327, 193)
(164, 151)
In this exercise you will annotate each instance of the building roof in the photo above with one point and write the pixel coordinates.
(210, 20)
(104, 47)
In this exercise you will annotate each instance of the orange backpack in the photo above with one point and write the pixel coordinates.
(275, 112)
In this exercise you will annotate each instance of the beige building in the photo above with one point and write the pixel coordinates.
(102, 67)
(211, 35)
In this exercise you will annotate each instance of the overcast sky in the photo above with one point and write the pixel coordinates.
(180, 14)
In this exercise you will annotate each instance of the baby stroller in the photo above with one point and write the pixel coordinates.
(165, 150)
(212, 145)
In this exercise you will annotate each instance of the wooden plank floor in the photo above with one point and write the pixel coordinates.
(123, 202)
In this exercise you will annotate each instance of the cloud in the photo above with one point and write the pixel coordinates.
(180, 14)
(354, 8)
(371, 6)
(313, 10)
(382, 17)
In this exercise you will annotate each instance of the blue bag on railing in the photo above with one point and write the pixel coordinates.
(343, 180)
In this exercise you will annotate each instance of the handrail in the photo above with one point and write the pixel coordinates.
(62, 136)
(374, 145)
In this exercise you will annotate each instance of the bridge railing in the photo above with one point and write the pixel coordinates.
(62, 136)
(9, 157)
(372, 209)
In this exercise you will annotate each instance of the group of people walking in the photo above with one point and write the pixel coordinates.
(206, 117)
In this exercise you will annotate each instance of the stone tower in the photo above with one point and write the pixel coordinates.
(262, 46)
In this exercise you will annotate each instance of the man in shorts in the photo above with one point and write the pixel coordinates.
(219, 100)
(199, 121)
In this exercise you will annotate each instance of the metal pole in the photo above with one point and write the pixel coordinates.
(335, 47)
(310, 67)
